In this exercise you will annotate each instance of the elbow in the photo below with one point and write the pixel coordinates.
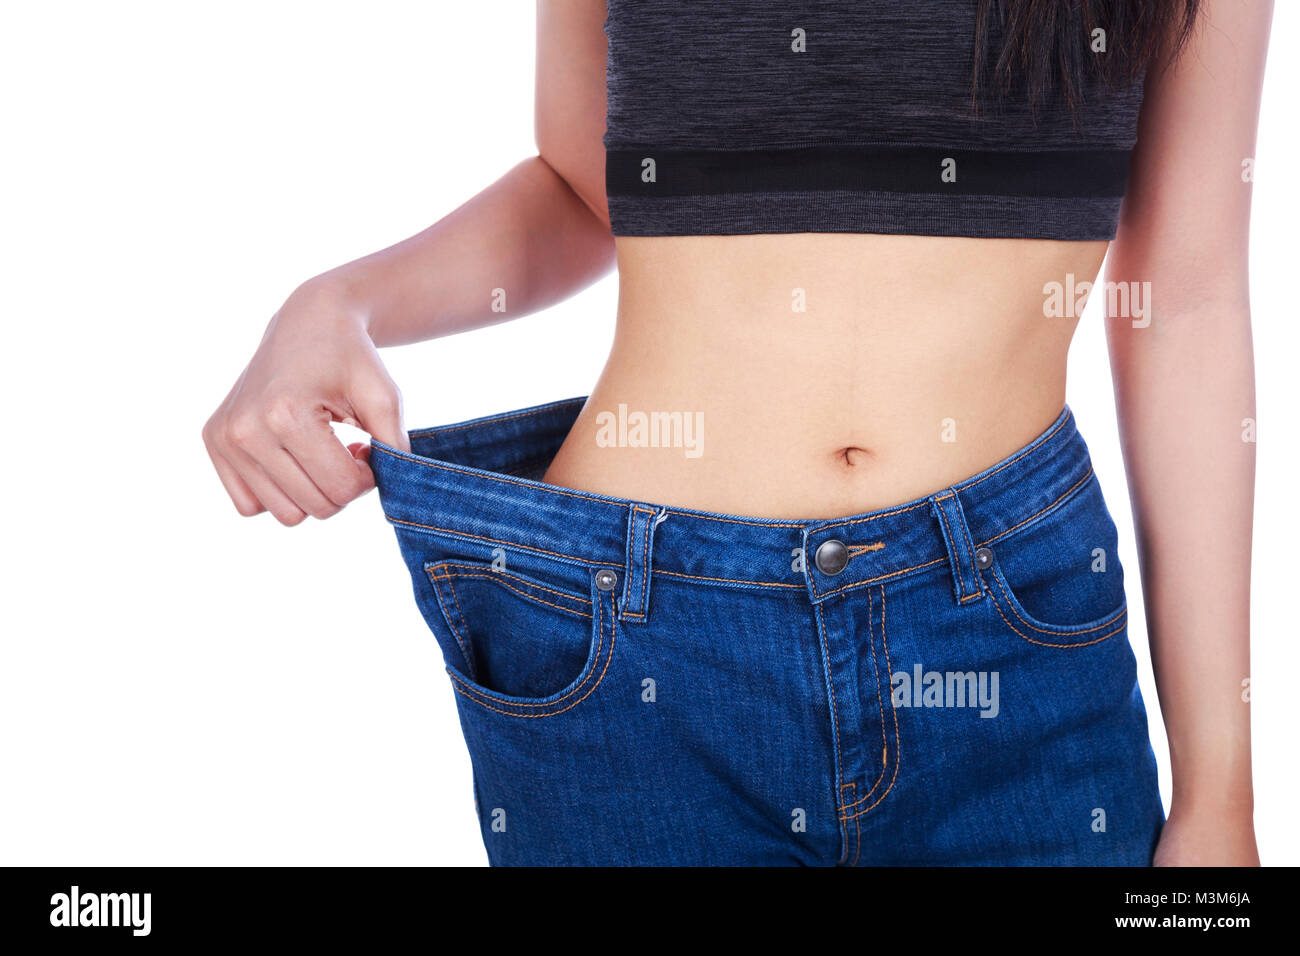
(585, 179)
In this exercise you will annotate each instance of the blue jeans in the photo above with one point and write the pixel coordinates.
(948, 681)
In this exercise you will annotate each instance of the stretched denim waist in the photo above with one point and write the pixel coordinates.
(470, 481)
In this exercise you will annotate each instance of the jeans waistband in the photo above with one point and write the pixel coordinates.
(477, 481)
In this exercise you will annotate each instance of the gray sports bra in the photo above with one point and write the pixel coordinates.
(772, 116)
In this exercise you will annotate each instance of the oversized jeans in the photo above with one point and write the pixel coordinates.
(947, 681)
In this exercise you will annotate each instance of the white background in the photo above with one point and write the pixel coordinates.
(180, 685)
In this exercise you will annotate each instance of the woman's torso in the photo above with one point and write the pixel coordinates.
(817, 375)
(795, 195)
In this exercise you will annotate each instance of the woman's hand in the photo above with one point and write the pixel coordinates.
(541, 232)
(1225, 839)
(271, 441)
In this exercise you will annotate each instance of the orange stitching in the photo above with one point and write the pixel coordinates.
(889, 668)
(998, 537)
(769, 584)
(756, 524)
(1057, 631)
(493, 476)
(867, 795)
(499, 575)
(455, 632)
(879, 577)
(939, 561)
(966, 534)
(494, 576)
(542, 486)
(489, 695)
(552, 489)
(898, 747)
(857, 827)
(645, 559)
(871, 643)
(883, 514)
(857, 549)
(629, 548)
(997, 605)
(965, 531)
(470, 692)
(961, 585)
(588, 561)
(844, 830)
(830, 679)
(476, 568)
(761, 584)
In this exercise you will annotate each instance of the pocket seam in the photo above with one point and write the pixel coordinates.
(1119, 615)
(460, 616)
(481, 696)
(476, 571)
(599, 658)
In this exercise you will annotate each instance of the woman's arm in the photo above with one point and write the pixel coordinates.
(1184, 387)
(539, 234)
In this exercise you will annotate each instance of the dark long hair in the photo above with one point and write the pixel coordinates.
(1042, 48)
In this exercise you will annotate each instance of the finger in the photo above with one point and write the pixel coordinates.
(378, 407)
(327, 464)
(246, 502)
(268, 492)
(290, 421)
(282, 468)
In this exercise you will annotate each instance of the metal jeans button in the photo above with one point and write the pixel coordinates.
(983, 558)
(832, 557)
(606, 580)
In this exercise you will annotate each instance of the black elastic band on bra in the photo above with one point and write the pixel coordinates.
(1050, 174)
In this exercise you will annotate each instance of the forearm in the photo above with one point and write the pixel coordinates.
(524, 243)
(1186, 399)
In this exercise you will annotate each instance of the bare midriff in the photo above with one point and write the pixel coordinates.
(819, 375)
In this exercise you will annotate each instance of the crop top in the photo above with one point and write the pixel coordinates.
(730, 117)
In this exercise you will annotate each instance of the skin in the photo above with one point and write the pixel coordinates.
(843, 407)
(1183, 388)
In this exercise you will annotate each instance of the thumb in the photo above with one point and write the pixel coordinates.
(378, 407)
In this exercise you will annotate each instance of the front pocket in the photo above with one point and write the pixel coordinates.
(527, 648)
(1057, 581)
(1045, 633)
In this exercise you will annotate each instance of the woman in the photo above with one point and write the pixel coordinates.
(820, 572)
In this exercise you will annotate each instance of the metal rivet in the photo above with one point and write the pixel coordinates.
(983, 558)
(832, 557)
(606, 580)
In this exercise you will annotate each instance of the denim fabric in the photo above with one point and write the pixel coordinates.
(641, 684)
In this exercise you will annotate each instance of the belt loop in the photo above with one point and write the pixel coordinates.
(641, 525)
(961, 551)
